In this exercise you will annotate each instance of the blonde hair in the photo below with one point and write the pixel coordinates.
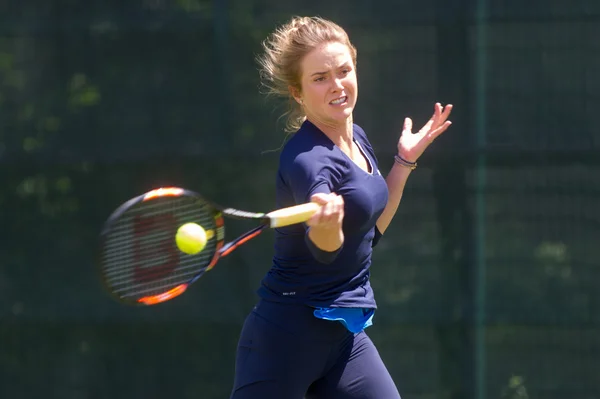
(284, 50)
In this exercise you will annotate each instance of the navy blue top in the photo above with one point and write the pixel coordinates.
(301, 273)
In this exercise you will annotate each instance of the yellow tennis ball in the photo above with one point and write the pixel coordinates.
(191, 238)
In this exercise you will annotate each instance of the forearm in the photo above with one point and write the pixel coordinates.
(325, 239)
(395, 180)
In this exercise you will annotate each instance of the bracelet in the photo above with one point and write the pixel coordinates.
(403, 162)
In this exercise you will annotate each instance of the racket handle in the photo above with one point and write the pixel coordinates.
(293, 214)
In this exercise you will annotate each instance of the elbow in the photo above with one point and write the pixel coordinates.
(376, 237)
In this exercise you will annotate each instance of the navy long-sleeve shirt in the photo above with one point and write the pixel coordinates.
(311, 163)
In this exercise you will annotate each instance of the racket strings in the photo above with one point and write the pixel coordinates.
(140, 255)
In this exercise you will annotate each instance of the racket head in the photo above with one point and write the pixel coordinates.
(140, 263)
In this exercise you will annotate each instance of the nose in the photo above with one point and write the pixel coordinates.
(337, 84)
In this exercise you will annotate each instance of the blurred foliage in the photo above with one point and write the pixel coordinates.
(101, 102)
(515, 389)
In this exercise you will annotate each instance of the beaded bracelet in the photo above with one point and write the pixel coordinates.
(401, 161)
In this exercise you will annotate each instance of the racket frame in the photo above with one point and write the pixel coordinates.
(278, 218)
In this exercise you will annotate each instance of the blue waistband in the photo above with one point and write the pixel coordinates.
(354, 319)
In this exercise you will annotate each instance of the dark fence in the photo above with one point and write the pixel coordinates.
(486, 281)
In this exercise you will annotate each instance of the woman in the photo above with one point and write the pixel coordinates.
(305, 337)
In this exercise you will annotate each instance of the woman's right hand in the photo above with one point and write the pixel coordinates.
(326, 225)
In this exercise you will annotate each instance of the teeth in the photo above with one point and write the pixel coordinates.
(339, 100)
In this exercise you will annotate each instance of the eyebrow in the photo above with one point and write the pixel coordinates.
(345, 64)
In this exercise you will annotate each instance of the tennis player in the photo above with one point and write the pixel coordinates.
(306, 335)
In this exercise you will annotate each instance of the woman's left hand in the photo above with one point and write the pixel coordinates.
(412, 145)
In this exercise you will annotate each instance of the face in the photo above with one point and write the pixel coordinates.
(329, 87)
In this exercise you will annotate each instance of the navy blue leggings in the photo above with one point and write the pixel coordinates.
(284, 352)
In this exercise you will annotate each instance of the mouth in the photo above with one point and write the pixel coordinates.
(339, 101)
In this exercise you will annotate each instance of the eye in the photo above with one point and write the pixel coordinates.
(320, 79)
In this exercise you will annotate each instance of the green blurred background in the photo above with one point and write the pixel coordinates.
(486, 281)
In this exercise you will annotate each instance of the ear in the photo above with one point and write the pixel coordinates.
(296, 94)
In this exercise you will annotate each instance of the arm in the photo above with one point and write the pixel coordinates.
(325, 227)
(410, 147)
(328, 240)
(395, 180)
(310, 178)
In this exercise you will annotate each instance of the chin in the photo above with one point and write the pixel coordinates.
(339, 119)
(344, 114)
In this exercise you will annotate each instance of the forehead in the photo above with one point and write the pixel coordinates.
(326, 56)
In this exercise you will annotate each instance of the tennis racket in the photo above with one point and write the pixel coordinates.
(140, 262)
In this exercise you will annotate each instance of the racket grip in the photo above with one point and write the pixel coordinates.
(293, 214)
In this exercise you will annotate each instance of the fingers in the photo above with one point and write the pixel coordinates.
(438, 119)
(435, 126)
(331, 213)
(444, 112)
(441, 114)
(408, 124)
(437, 132)
(428, 125)
(442, 123)
(433, 121)
(320, 198)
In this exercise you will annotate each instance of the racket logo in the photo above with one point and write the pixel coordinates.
(220, 233)
(154, 247)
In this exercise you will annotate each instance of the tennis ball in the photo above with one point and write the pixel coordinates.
(191, 238)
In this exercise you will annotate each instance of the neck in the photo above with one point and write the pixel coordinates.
(340, 134)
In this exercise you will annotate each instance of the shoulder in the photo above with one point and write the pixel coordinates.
(308, 150)
(359, 131)
(309, 153)
(361, 135)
